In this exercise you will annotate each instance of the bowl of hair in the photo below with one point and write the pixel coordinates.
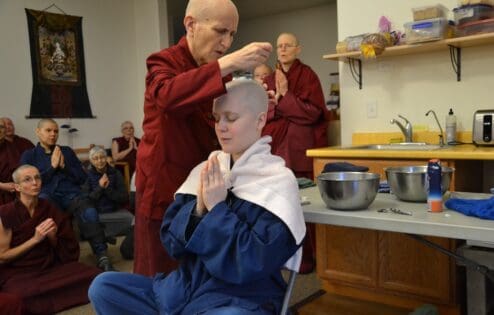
(348, 190)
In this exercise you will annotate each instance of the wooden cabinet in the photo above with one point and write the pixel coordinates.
(386, 267)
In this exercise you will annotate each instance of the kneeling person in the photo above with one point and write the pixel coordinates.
(39, 251)
(234, 223)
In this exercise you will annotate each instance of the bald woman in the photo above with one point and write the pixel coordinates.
(181, 83)
(235, 222)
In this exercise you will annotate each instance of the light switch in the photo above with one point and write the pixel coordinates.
(372, 109)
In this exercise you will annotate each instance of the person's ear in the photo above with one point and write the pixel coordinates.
(17, 187)
(38, 132)
(261, 120)
(189, 23)
(298, 50)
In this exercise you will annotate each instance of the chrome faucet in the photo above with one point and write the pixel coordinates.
(441, 137)
(406, 130)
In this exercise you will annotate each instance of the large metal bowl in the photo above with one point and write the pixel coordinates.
(348, 190)
(409, 183)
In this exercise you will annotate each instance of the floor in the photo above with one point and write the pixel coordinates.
(305, 285)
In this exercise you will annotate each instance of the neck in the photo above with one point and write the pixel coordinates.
(286, 66)
(9, 138)
(29, 202)
(192, 51)
(48, 148)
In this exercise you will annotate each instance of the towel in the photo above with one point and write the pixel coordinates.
(482, 208)
(343, 167)
(261, 178)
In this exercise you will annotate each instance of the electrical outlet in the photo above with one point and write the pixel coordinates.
(372, 109)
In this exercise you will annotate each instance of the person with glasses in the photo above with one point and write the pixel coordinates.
(124, 148)
(181, 83)
(102, 197)
(297, 117)
(39, 252)
(9, 160)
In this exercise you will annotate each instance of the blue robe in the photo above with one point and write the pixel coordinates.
(233, 255)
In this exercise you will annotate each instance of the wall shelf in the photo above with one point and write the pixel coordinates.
(454, 45)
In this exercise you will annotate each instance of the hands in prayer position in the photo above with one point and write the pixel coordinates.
(104, 181)
(47, 228)
(211, 190)
(57, 158)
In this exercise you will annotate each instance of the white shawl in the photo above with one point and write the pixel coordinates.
(261, 178)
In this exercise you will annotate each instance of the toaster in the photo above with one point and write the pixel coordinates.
(482, 131)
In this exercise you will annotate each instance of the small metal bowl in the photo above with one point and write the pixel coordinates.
(348, 190)
(409, 183)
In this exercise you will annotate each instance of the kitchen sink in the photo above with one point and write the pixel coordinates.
(411, 146)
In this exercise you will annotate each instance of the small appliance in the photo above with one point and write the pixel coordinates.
(483, 131)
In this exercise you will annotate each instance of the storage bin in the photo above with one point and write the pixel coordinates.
(476, 27)
(429, 12)
(470, 13)
(426, 30)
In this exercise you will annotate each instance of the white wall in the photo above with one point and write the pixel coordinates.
(409, 85)
(118, 35)
(315, 28)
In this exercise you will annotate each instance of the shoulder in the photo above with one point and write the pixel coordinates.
(7, 213)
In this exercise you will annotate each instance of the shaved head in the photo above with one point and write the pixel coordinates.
(43, 121)
(209, 9)
(247, 93)
(289, 36)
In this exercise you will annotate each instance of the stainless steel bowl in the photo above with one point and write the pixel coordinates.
(348, 190)
(409, 183)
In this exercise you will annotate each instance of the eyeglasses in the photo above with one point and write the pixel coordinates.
(29, 179)
(281, 46)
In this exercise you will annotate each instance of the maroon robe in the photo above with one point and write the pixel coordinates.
(10, 304)
(48, 278)
(298, 122)
(130, 158)
(22, 144)
(178, 135)
(9, 161)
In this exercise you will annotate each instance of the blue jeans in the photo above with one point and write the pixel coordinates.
(118, 293)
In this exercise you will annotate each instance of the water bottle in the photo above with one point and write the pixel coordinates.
(434, 195)
(450, 127)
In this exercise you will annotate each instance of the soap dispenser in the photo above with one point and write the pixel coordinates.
(450, 127)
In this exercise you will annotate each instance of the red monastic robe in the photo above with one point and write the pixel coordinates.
(298, 122)
(10, 304)
(9, 160)
(123, 144)
(178, 135)
(47, 278)
(22, 144)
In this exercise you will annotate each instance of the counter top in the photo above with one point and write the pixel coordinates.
(459, 152)
(450, 224)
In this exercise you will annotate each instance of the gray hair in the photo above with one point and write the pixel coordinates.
(17, 173)
(96, 150)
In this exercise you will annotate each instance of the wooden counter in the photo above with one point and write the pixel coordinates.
(388, 267)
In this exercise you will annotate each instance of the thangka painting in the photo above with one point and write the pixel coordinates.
(57, 60)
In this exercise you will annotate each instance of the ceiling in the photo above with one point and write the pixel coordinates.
(249, 9)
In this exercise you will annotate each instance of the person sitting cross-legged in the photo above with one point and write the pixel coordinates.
(234, 223)
(103, 194)
(39, 252)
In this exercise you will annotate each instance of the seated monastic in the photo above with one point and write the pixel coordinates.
(103, 195)
(59, 166)
(39, 251)
(234, 223)
(124, 148)
(9, 160)
(22, 144)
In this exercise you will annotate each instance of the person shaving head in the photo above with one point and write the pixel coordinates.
(240, 115)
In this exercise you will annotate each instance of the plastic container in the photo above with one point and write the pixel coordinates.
(426, 30)
(429, 12)
(450, 127)
(434, 194)
(470, 13)
(477, 27)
